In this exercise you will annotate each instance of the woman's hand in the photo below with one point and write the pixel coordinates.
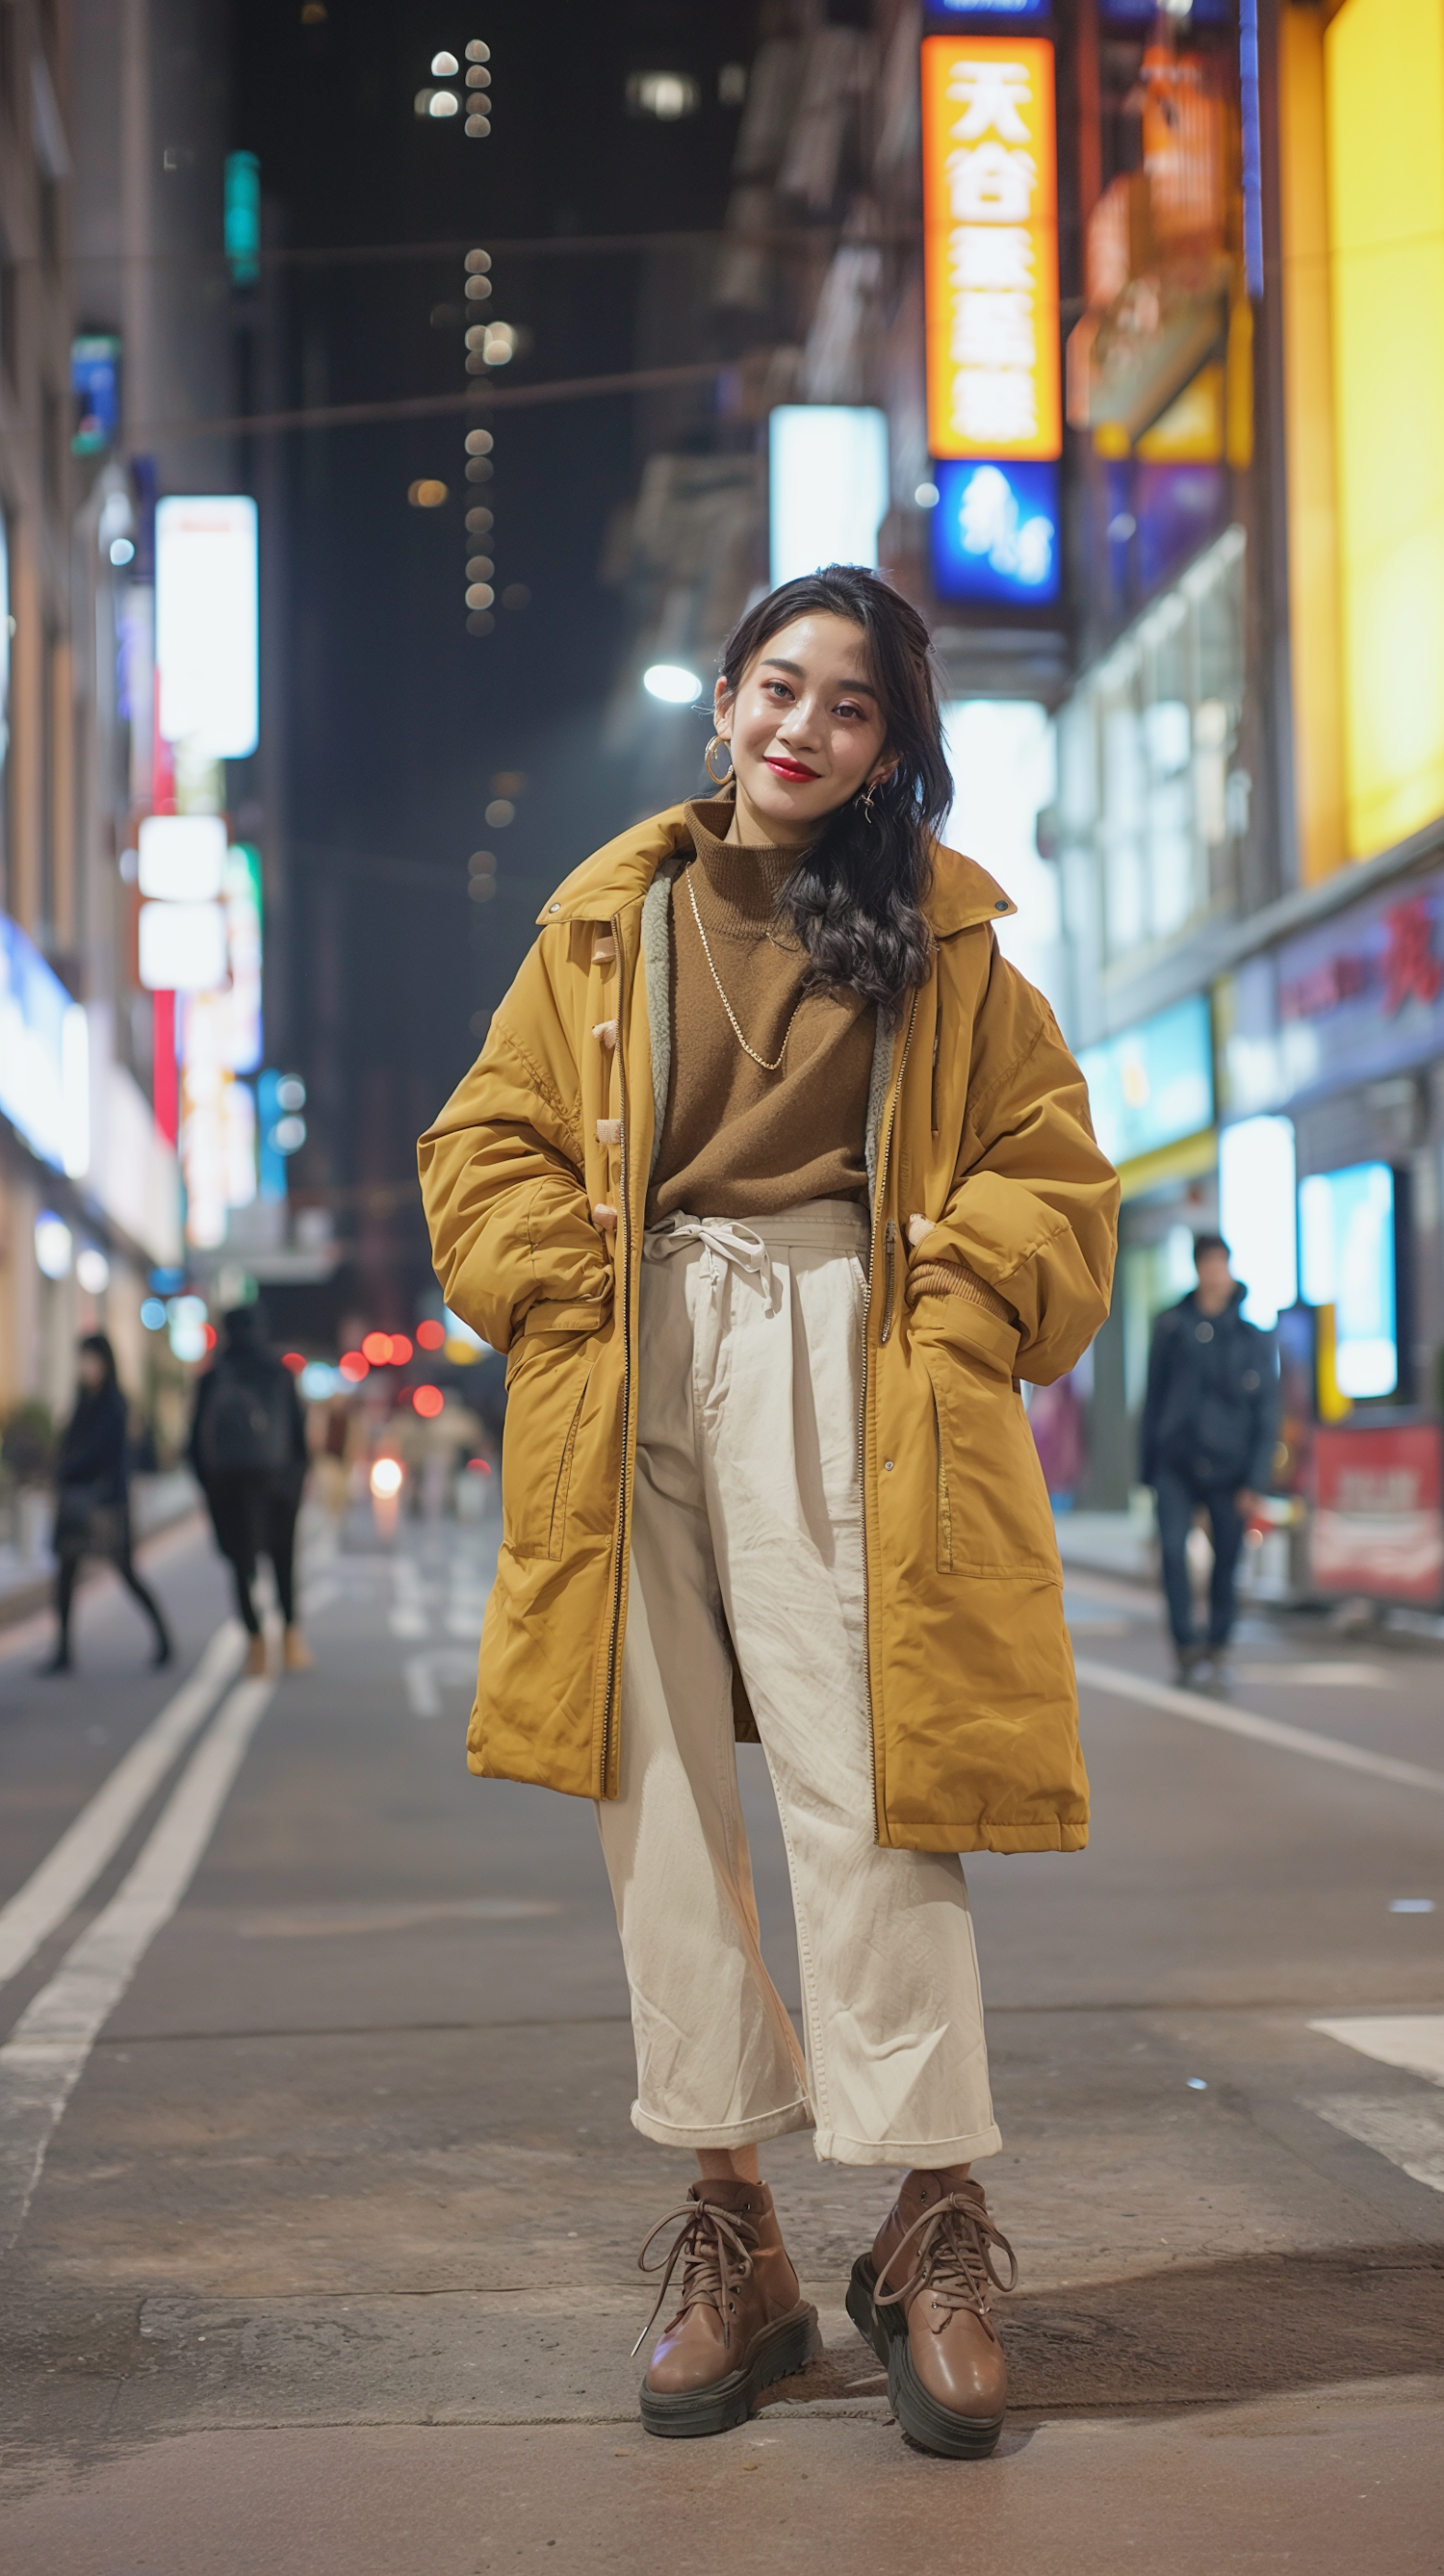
(919, 1228)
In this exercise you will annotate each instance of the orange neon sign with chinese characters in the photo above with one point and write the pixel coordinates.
(990, 214)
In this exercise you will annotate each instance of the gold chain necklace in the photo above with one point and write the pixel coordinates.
(775, 1064)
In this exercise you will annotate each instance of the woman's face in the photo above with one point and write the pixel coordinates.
(92, 1371)
(806, 728)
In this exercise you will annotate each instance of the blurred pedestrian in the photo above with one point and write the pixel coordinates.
(772, 1178)
(334, 1451)
(248, 1448)
(1210, 1422)
(1055, 1418)
(92, 1511)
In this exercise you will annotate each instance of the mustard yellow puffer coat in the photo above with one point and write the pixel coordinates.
(978, 1121)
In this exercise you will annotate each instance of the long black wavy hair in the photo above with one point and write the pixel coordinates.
(856, 894)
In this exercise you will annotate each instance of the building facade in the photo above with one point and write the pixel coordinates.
(1151, 302)
(116, 336)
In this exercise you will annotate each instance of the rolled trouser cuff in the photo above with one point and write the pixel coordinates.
(737, 2133)
(923, 2154)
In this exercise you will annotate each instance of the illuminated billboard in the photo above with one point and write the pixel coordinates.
(1152, 1085)
(995, 533)
(1346, 1246)
(206, 624)
(827, 485)
(990, 213)
(44, 1056)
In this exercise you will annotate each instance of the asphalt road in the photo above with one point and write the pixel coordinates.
(320, 2051)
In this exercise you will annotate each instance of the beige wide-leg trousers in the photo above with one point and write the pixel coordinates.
(748, 1519)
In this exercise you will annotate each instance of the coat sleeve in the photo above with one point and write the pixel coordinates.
(502, 1177)
(94, 1446)
(1033, 1210)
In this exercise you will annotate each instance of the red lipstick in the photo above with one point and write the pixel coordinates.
(789, 768)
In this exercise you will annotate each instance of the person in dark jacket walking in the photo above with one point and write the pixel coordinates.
(92, 1512)
(248, 1449)
(1210, 1422)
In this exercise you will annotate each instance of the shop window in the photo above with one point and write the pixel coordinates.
(1151, 805)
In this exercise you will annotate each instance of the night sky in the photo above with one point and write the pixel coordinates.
(398, 721)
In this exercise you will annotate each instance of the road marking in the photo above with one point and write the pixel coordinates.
(1318, 1676)
(426, 1676)
(1260, 1730)
(43, 2060)
(1408, 2130)
(1414, 2041)
(54, 1889)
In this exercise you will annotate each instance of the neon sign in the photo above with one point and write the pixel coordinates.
(990, 214)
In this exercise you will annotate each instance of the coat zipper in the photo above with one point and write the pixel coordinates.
(889, 1264)
(884, 1155)
(624, 1251)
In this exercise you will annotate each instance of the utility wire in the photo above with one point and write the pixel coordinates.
(480, 397)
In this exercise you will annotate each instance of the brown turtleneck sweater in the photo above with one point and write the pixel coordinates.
(737, 1141)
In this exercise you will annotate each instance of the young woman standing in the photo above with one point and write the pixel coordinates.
(773, 1178)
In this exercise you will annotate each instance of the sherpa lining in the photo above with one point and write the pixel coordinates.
(657, 979)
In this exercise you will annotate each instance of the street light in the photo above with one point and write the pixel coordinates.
(673, 683)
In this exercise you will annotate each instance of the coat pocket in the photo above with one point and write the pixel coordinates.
(546, 1390)
(992, 1511)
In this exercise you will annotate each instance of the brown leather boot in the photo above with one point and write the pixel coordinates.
(922, 2298)
(742, 2323)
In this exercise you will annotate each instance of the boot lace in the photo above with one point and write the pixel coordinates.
(953, 2244)
(715, 2250)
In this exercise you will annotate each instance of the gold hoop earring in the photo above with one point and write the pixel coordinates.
(718, 742)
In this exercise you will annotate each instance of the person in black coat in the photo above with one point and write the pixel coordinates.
(1210, 1423)
(248, 1449)
(92, 1512)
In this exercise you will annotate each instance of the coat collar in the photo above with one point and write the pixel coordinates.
(618, 875)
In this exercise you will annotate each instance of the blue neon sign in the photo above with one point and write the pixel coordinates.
(995, 532)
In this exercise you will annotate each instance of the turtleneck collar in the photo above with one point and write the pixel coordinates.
(743, 880)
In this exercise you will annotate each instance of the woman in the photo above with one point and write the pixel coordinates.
(772, 1178)
(92, 1512)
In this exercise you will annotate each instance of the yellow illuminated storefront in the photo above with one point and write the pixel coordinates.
(1362, 168)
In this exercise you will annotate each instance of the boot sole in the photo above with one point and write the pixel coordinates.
(782, 2348)
(933, 2427)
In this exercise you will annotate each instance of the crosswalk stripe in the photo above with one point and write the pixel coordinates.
(1409, 2130)
(1414, 2041)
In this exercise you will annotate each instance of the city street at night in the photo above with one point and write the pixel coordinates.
(722, 1287)
(330, 2266)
